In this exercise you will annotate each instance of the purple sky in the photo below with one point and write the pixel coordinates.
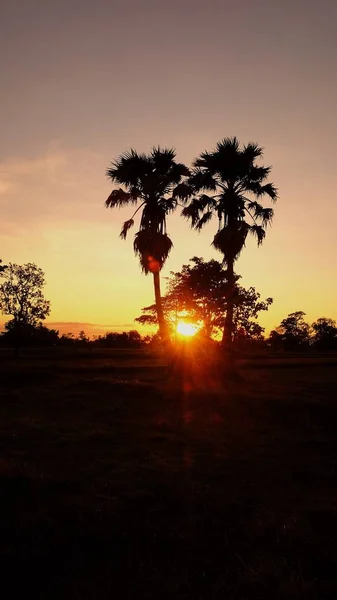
(82, 81)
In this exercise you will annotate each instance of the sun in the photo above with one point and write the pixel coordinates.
(186, 329)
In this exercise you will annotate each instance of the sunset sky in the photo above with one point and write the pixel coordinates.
(82, 81)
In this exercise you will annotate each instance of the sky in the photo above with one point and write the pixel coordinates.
(83, 81)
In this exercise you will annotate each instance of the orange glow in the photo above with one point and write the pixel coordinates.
(154, 264)
(186, 329)
(53, 183)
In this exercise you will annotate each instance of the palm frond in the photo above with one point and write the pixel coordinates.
(129, 169)
(177, 172)
(162, 158)
(224, 163)
(119, 198)
(270, 190)
(126, 226)
(203, 220)
(232, 173)
(203, 161)
(165, 166)
(206, 201)
(202, 180)
(267, 215)
(252, 151)
(230, 144)
(256, 211)
(192, 212)
(255, 207)
(157, 181)
(258, 173)
(258, 232)
(168, 204)
(183, 191)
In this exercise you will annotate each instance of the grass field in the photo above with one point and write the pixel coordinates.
(119, 482)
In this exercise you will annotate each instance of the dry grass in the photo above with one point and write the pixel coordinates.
(115, 482)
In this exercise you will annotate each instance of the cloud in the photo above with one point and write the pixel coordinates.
(15, 172)
(90, 329)
(60, 186)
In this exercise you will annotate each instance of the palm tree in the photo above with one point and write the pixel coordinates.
(155, 182)
(229, 186)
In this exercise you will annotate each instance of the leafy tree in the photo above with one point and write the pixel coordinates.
(325, 334)
(2, 267)
(247, 306)
(155, 182)
(229, 185)
(196, 292)
(21, 294)
(172, 310)
(199, 291)
(293, 332)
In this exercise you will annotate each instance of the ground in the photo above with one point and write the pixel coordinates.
(118, 481)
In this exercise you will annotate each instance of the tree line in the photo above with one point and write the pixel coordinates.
(199, 290)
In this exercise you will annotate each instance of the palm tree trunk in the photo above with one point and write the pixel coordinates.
(227, 335)
(163, 330)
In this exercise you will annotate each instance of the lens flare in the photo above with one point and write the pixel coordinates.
(186, 329)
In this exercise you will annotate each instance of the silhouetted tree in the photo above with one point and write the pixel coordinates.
(30, 335)
(67, 339)
(2, 267)
(325, 334)
(129, 339)
(199, 291)
(275, 340)
(154, 181)
(247, 306)
(229, 185)
(21, 297)
(82, 339)
(293, 333)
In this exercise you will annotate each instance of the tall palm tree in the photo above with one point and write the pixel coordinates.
(229, 185)
(155, 182)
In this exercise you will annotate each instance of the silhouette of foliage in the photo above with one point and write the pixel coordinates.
(30, 335)
(155, 182)
(324, 334)
(293, 333)
(198, 293)
(2, 267)
(39, 336)
(229, 184)
(21, 294)
(247, 306)
(130, 339)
